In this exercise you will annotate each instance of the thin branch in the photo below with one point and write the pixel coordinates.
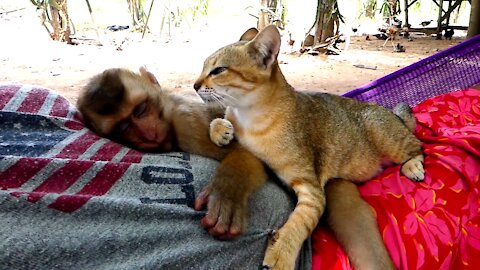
(10, 11)
(148, 18)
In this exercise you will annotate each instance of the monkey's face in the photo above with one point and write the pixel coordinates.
(143, 127)
(126, 108)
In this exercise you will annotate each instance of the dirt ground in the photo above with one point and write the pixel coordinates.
(28, 56)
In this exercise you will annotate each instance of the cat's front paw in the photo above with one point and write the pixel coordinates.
(279, 255)
(221, 132)
(413, 168)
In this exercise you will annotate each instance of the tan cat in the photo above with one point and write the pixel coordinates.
(132, 108)
(306, 138)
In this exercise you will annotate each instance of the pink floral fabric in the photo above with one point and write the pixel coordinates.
(434, 224)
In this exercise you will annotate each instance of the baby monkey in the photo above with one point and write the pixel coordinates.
(134, 110)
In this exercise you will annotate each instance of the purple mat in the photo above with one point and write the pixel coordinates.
(455, 68)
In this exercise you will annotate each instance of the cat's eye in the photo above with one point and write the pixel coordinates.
(217, 70)
(140, 110)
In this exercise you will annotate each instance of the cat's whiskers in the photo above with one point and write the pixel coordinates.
(219, 100)
(232, 101)
(212, 99)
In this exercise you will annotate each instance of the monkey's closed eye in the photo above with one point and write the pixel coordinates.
(217, 70)
(122, 127)
(140, 110)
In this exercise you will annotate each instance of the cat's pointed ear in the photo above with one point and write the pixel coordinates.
(267, 43)
(249, 34)
(148, 75)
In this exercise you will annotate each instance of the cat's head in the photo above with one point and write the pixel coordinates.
(237, 73)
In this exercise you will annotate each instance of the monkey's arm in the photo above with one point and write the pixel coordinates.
(238, 175)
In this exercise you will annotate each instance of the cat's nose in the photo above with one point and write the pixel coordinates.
(197, 86)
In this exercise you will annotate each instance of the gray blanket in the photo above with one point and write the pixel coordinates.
(72, 200)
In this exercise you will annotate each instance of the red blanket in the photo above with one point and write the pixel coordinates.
(434, 224)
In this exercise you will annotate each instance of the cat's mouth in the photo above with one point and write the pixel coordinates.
(212, 97)
(207, 95)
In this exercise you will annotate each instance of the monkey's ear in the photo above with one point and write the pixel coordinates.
(249, 34)
(148, 75)
(81, 117)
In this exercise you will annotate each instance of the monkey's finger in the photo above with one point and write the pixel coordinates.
(219, 231)
(211, 218)
(237, 227)
(221, 228)
(202, 199)
(207, 222)
(227, 236)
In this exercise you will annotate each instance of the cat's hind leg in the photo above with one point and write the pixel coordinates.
(395, 141)
(413, 168)
(406, 150)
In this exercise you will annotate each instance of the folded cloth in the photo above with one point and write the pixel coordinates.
(434, 224)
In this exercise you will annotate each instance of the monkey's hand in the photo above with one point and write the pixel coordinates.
(237, 176)
(226, 217)
(221, 132)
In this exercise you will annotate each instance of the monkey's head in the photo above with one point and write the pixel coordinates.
(126, 107)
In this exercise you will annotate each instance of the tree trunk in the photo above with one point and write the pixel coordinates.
(329, 30)
(370, 9)
(67, 29)
(265, 14)
(54, 17)
(60, 21)
(474, 24)
(136, 11)
(324, 20)
(393, 7)
(55, 20)
(392, 10)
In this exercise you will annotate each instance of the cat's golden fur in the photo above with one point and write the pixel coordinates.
(132, 108)
(306, 138)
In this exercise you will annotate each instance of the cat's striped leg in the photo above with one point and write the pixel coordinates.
(285, 244)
